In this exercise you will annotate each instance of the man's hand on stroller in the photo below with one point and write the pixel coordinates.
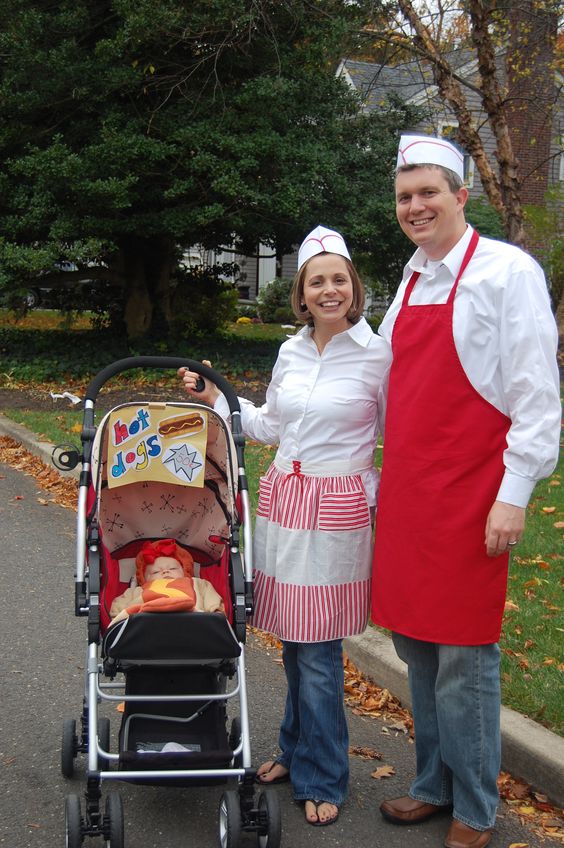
(209, 394)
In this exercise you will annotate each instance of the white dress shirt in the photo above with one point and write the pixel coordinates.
(506, 339)
(324, 411)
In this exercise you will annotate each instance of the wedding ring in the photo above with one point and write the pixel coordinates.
(510, 544)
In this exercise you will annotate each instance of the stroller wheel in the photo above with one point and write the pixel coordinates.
(69, 747)
(229, 819)
(113, 821)
(269, 808)
(73, 822)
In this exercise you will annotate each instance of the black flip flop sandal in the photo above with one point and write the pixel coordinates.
(320, 823)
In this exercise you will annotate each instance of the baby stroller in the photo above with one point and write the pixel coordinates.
(152, 471)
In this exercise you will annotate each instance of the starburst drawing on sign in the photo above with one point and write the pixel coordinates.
(183, 461)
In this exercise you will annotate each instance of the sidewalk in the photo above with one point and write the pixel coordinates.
(529, 751)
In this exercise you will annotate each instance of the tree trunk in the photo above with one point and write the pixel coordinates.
(503, 191)
(147, 267)
(495, 108)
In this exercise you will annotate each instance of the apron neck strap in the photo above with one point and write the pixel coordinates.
(467, 257)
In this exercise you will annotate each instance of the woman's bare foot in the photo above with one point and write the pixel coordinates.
(321, 813)
(272, 772)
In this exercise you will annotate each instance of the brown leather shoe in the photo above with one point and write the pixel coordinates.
(406, 810)
(461, 836)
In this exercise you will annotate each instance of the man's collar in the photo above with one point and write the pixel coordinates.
(452, 261)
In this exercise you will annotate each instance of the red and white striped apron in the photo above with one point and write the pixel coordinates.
(312, 552)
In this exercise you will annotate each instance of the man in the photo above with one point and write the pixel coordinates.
(473, 421)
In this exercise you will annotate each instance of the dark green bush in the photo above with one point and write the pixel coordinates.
(484, 218)
(274, 302)
(203, 300)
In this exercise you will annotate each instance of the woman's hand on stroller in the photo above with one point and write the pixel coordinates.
(209, 394)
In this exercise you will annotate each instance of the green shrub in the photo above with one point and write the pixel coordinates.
(248, 312)
(484, 218)
(274, 302)
(203, 301)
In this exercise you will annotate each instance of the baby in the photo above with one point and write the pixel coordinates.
(166, 583)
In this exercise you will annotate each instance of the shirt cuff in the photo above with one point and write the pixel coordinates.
(222, 407)
(515, 490)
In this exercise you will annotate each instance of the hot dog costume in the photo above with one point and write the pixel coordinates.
(185, 594)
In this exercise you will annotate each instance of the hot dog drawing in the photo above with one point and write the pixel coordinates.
(181, 425)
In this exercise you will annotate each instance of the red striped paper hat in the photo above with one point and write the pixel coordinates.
(322, 240)
(428, 150)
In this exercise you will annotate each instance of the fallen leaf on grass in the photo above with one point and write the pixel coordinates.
(549, 509)
(511, 605)
(559, 525)
(382, 772)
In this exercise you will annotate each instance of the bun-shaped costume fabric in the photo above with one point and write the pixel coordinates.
(428, 150)
(163, 594)
(322, 240)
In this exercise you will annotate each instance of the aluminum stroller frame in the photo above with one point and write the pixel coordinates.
(238, 811)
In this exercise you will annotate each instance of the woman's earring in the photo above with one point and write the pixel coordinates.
(303, 307)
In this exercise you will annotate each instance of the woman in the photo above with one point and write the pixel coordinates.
(313, 532)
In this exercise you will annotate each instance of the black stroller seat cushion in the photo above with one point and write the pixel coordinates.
(172, 637)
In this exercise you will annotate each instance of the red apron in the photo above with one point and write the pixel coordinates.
(442, 468)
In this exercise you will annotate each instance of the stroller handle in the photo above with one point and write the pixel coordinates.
(163, 362)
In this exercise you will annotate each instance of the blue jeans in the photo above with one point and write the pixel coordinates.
(456, 712)
(314, 738)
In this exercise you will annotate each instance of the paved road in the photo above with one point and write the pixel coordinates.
(43, 647)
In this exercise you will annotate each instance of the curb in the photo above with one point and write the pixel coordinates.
(30, 442)
(528, 750)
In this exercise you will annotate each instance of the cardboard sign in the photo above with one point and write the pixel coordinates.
(146, 443)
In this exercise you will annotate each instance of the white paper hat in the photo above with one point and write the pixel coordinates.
(321, 240)
(428, 150)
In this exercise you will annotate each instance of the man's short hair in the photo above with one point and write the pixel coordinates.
(453, 180)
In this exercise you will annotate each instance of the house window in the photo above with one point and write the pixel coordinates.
(448, 131)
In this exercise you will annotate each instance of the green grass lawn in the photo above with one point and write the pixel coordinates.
(532, 662)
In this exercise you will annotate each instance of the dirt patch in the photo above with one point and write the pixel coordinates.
(36, 399)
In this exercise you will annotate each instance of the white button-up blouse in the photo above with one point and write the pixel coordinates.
(325, 411)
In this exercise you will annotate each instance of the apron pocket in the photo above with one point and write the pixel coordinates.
(264, 498)
(343, 511)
